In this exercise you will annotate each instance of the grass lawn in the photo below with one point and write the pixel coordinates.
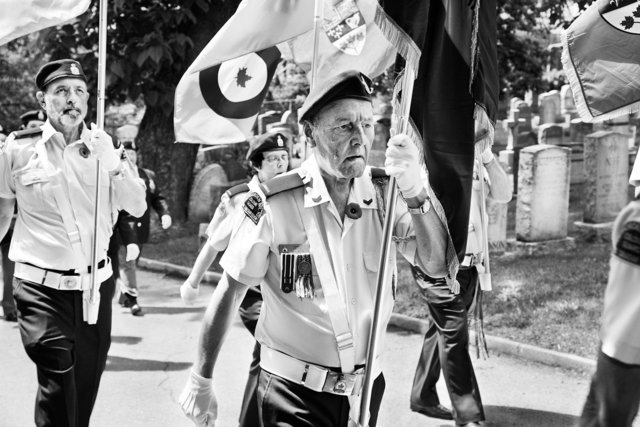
(552, 301)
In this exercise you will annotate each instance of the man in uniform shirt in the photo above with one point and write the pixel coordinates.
(269, 157)
(614, 395)
(314, 246)
(50, 172)
(30, 119)
(446, 342)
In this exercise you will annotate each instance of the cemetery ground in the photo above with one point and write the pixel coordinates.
(550, 300)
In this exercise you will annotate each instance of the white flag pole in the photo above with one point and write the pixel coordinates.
(93, 303)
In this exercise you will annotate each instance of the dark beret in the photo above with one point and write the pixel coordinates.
(33, 115)
(59, 69)
(266, 142)
(349, 84)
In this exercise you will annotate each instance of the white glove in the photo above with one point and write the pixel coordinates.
(487, 156)
(188, 293)
(402, 162)
(198, 401)
(165, 220)
(102, 146)
(133, 252)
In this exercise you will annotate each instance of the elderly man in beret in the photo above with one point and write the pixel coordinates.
(269, 156)
(313, 237)
(50, 171)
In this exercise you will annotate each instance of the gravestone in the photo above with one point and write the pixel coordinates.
(549, 107)
(542, 208)
(525, 114)
(550, 134)
(579, 129)
(606, 164)
(513, 105)
(265, 119)
(208, 186)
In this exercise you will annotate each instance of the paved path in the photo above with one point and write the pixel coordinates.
(151, 355)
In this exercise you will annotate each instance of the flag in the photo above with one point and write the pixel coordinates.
(219, 104)
(21, 17)
(457, 75)
(601, 58)
(351, 38)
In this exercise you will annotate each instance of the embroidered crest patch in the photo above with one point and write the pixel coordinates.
(253, 207)
(628, 245)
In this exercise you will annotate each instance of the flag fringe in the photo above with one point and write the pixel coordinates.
(475, 28)
(578, 93)
(405, 45)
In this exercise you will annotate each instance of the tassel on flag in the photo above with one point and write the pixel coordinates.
(601, 57)
(21, 17)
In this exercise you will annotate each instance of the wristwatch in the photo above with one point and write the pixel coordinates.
(422, 209)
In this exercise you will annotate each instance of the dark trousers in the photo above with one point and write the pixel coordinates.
(70, 355)
(614, 395)
(249, 314)
(446, 346)
(8, 305)
(283, 403)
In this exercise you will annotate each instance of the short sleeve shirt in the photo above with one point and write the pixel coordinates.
(29, 167)
(620, 332)
(301, 327)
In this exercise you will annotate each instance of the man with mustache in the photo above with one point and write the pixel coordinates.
(50, 171)
(313, 239)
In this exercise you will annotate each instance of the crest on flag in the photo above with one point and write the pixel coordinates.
(345, 27)
(622, 14)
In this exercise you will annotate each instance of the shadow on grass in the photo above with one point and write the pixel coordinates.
(129, 340)
(503, 416)
(120, 364)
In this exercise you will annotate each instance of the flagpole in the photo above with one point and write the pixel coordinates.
(401, 119)
(318, 12)
(102, 71)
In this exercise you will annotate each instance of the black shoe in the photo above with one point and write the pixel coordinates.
(437, 411)
(11, 317)
(127, 301)
(136, 310)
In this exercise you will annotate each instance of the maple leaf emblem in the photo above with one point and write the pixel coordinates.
(242, 77)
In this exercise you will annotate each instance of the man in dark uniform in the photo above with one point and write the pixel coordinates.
(140, 226)
(50, 172)
(30, 120)
(314, 247)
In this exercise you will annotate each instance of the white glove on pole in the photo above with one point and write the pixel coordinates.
(165, 220)
(403, 162)
(188, 293)
(198, 401)
(133, 252)
(102, 146)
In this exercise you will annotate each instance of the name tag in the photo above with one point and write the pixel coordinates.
(34, 176)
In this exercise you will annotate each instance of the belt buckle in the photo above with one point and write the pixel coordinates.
(338, 383)
(69, 282)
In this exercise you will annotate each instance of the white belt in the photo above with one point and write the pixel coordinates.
(313, 377)
(65, 282)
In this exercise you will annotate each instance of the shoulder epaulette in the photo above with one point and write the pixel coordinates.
(378, 173)
(281, 183)
(237, 189)
(27, 133)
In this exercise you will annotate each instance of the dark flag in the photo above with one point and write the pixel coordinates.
(458, 71)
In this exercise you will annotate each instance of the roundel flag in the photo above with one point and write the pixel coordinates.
(601, 57)
(219, 104)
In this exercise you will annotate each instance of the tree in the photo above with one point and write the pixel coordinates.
(151, 43)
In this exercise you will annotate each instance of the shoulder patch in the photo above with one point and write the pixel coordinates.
(237, 189)
(281, 183)
(253, 207)
(628, 244)
(27, 133)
